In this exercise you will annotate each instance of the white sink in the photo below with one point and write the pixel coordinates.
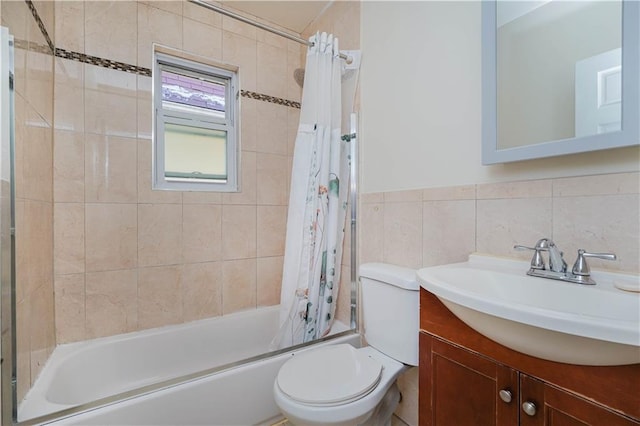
(555, 320)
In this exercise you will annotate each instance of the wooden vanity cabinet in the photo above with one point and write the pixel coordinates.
(462, 374)
(457, 387)
(561, 408)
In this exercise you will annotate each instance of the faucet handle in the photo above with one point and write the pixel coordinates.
(581, 268)
(537, 262)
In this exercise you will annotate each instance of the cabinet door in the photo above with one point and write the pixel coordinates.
(459, 387)
(554, 407)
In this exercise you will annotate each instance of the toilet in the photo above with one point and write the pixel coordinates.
(342, 385)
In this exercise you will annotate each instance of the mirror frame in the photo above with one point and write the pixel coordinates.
(628, 136)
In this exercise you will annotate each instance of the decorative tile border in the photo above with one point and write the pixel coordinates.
(119, 66)
(32, 47)
(272, 99)
(45, 34)
(101, 62)
(21, 44)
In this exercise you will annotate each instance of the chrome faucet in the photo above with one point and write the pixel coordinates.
(555, 263)
(556, 267)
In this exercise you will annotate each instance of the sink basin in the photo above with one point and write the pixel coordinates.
(549, 319)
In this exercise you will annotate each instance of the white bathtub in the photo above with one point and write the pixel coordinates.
(82, 372)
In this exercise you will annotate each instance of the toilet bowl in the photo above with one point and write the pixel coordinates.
(342, 385)
(338, 385)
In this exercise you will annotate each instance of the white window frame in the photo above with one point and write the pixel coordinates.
(228, 123)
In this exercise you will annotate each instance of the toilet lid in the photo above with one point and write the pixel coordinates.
(329, 375)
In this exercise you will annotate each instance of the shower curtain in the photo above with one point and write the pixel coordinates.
(317, 202)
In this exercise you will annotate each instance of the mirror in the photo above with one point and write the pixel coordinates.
(559, 77)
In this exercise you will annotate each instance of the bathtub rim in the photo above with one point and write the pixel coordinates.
(68, 359)
(65, 354)
(166, 384)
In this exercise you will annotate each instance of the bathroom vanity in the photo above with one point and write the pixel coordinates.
(468, 379)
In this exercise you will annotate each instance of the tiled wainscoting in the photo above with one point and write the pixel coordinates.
(420, 228)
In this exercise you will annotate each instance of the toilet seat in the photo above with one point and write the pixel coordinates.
(339, 373)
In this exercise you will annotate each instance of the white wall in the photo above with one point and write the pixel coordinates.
(420, 97)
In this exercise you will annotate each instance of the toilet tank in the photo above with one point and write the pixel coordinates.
(391, 310)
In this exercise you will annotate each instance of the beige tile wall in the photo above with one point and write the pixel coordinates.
(120, 256)
(34, 80)
(127, 257)
(444, 225)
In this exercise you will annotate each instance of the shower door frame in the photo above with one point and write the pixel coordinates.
(7, 226)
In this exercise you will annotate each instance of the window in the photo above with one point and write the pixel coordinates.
(195, 126)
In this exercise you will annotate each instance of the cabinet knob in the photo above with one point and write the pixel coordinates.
(505, 395)
(529, 408)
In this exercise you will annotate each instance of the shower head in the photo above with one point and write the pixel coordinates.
(298, 76)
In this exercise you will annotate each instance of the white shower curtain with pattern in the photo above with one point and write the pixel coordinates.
(317, 202)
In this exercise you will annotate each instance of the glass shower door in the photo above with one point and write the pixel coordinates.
(6, 225)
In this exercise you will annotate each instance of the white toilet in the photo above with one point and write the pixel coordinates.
(342, 385)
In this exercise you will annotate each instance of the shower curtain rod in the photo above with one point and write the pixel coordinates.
(233, 15)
